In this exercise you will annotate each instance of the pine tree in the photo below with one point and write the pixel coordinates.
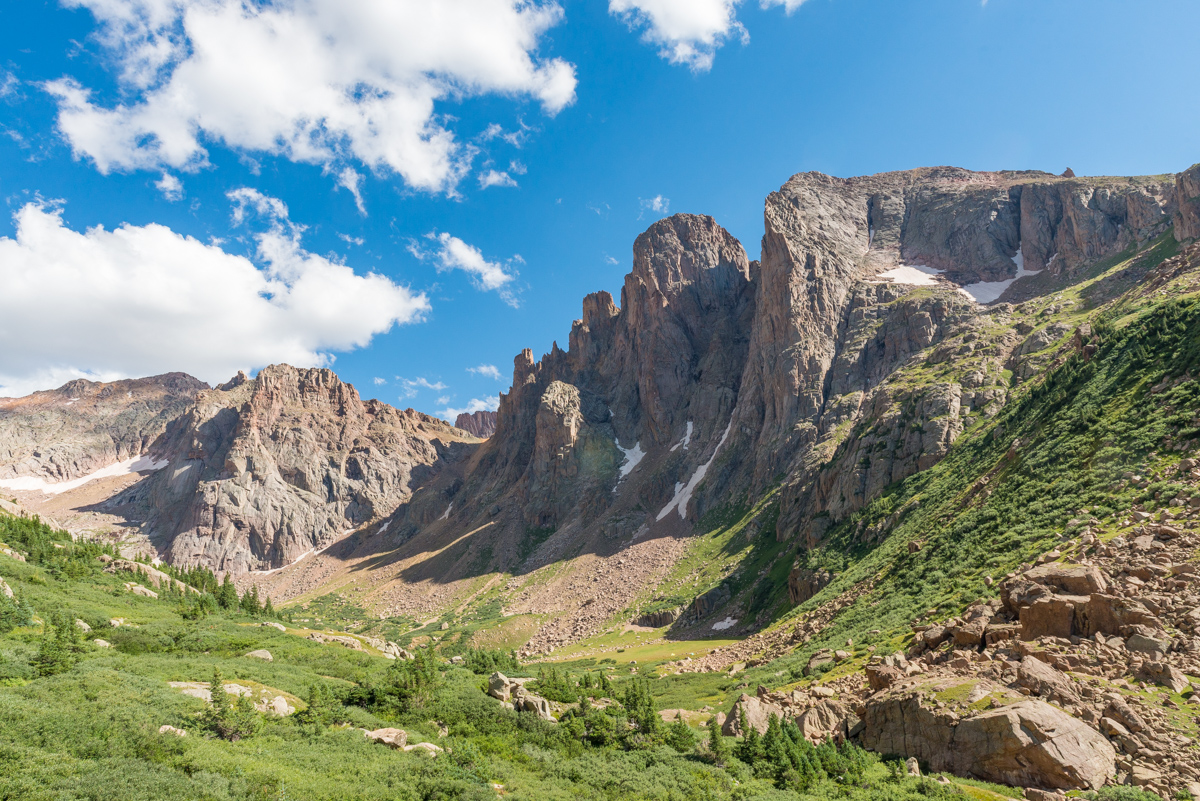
(716, 743)
(227, 597)
(268, 608)
(60, 645)
(680, 735)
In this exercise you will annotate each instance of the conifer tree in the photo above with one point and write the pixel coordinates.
(716, 743)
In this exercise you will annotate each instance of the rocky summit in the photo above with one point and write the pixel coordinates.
(922, 480)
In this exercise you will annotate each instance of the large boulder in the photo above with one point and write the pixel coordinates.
(1028, 743)
(757, 712)
(393, 738)
(502, 687)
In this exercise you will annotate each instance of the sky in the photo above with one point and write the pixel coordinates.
(411, 191)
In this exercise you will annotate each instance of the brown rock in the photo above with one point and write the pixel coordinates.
(1029, 743)
(393, 738)
(480, 424)
(757, 712)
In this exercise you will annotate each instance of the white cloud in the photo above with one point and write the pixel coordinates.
(443, 400)
(379, 381)
(517, 167)
(170, 186)
(351, 240)
(657, 205)
(487, 371)
(790, 5)
(351, 181)
(686, 32)
(490, 404)
(454, 254)
(142, 300)
(317, 81)
(495, 178)
(415, 385)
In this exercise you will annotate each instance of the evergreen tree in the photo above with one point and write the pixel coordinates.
(227, 597)
(716, 743)
(680, 735)
(750, 748)
(268, 608)
(230, 720)
(322, 706)
(60, 645)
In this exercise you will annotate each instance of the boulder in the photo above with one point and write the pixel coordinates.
(1068, 579)
(262, 654)
(165, 729)
(393, 738)
(270, 624)
(1029, 743)
(428, 749)
(1164, 675)
(138, 589)
(525, 701)
(880, 677)
(822, 720)
(758, 715)
(84, 627)
(102, 643)
(1147, 645)
(1045, 680)
(501, 686)
(5, 590)
(338, 639)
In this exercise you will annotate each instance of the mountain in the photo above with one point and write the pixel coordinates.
(889, 315)
(479, 424)
(83, 426)
(924, 478)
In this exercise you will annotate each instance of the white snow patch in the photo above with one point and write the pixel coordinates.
(915, 274)
(687, 438)
(138, 464)
(445, 514)
(989, 291)
(683, 493)
(387, 523)
(727, 623)
(632, 457)
(870, 237)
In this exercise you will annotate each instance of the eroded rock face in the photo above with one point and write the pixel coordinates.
(1028, 743)
(1187, 193)
(269, 469)
(83, 426)
(478, 424)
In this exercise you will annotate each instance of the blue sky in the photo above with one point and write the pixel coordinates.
(406, 191)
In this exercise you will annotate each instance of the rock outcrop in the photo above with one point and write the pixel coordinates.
(1027, 743)
(478, 424)
(1187, 194)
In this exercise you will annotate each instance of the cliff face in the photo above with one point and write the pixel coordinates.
(83, 426)
(263, 471)
(478, 424)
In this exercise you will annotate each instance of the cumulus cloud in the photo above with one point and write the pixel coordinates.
(451, 253)
(789, 5)
(495, 178)
(490, 404)
(687, 32)
(317, 81)
(142, 300)
(487, 371)
(170, 186)
(379, 381)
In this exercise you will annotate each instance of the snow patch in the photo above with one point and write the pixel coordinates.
(915, 274)
(683, 492)
(687, 437)
(138, 464)
(445, 514)
(727, 623)
(990, 291)
(632, 457)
